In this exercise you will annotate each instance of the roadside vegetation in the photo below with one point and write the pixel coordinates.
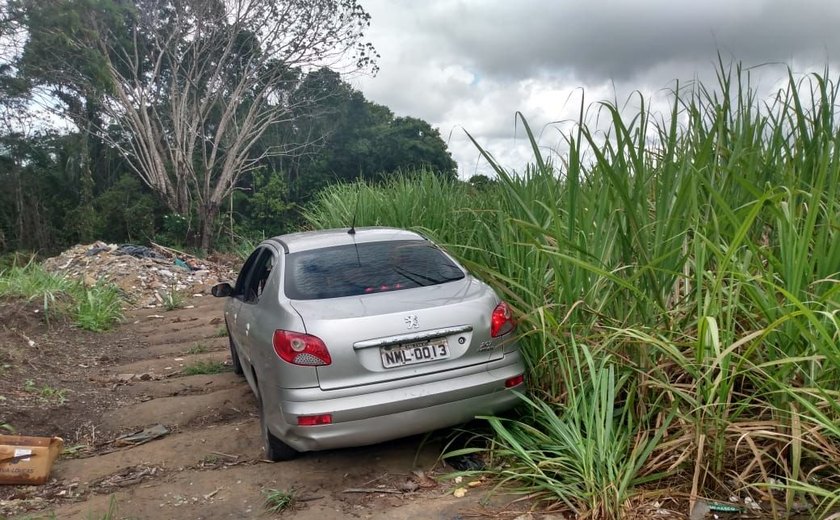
(677, 280)
(279, 500)
(173, 300)
(95, 307)
(204, 367)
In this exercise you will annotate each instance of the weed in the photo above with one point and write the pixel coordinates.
(46, 392)
(173, 300)
(198, 348)
(7, 427)
(74, 450)
(278, 500)
(204, 367)
(210, 459)
(221, 332)
(99, 308)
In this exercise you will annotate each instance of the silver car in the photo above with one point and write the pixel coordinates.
(354, 337)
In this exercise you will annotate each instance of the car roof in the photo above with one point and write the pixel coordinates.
(308, 240)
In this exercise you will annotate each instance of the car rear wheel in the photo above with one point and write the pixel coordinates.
(275, 449)
(234, 357)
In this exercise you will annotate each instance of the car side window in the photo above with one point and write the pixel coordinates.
(247, 267)
(258, 276)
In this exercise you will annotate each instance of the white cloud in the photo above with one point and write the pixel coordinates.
(472, 64)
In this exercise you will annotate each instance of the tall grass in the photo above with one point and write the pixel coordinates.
(94, 308)
(696, 256)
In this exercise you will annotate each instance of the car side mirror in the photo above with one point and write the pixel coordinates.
(221, 290)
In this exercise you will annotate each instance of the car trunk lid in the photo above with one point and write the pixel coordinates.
(385, 336)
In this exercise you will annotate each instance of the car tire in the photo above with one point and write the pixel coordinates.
(234, 357)
(275, 449)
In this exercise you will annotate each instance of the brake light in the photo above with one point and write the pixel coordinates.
(300, 349)
(514, 381)
(501, 322)
(314, 420)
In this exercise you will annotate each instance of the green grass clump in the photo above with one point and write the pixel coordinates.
(46, 392)
(677, 281)
(96, 308)
(279, 500)
(198, 348)
(173, 300)
(32, 282)
(204, 367)
(602, 446)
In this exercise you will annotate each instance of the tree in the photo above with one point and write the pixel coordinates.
(409, 142)
(201, 81)
(11, 88)
(365, 140)
(41, 190)
(64, 72)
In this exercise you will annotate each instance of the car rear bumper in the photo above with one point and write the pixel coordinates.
(377, 414)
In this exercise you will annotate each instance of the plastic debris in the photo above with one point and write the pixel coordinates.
(143, 436)
(470, 462)
(138, 251)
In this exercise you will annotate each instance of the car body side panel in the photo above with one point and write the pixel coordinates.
(270, 314)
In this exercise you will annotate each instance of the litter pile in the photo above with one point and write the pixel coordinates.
(144, 274)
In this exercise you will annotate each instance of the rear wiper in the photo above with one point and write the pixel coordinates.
(432, 281)
(408, 276)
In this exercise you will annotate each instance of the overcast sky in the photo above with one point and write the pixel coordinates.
(472, 64)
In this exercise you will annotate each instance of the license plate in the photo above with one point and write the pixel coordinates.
(414, 353)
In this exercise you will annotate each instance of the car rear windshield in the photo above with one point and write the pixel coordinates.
(367, 268)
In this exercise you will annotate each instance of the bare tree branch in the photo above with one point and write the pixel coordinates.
(200, 82)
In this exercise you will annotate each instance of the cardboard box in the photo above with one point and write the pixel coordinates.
(27, 460)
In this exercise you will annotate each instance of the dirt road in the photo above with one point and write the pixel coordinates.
(92, 388)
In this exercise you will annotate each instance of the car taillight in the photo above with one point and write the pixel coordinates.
(514, 381)
(501, 322)
(314, 420)
(300, 349)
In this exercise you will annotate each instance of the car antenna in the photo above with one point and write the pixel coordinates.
(352, 230)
